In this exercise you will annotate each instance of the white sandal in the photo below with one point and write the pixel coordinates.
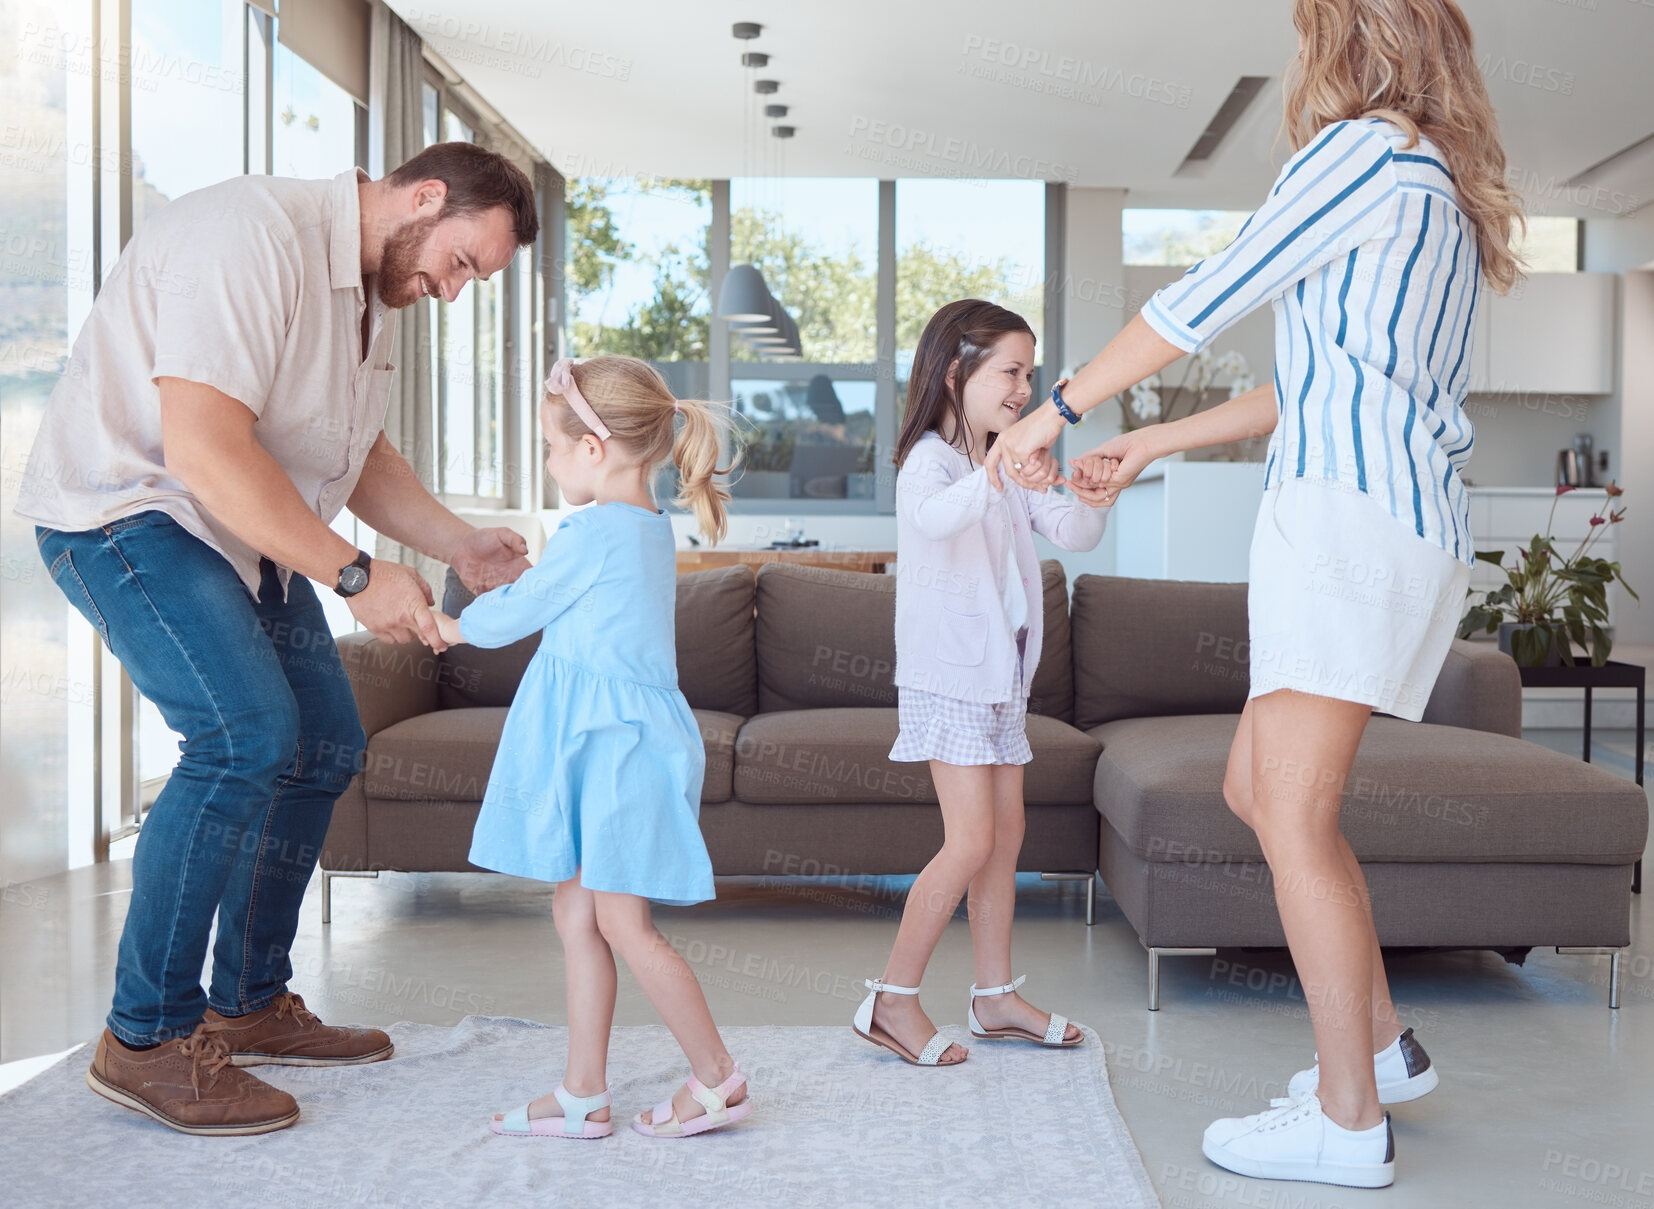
(931, 1055)
(572, 1124)
(1056, 1031)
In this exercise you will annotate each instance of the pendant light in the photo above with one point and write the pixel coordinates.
(744, 297)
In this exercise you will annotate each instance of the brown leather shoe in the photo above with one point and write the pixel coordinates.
(287, 1033)
(190, 1085)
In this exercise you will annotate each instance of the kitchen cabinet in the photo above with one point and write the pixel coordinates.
(1553, 335)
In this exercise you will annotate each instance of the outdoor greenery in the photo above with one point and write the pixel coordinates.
(666, 328)
(830, 295)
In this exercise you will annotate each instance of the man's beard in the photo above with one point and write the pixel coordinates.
(399, 265)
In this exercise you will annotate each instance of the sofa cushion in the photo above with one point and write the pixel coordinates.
(447, 755)
(717, 669)
(1149, 647)
(717, 666)
(843, 755)
(1052, 691)
(827, 639)
(1417, 792)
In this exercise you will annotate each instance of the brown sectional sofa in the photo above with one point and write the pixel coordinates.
(1469, 836)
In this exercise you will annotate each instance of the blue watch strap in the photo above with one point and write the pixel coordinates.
(1066, 411)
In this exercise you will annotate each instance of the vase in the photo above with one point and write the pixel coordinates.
(1553, 655)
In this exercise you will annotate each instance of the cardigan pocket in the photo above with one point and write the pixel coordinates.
(962, 638)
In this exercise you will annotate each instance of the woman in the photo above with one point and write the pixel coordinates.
(1371, 247)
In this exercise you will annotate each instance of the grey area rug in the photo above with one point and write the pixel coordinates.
(836, 1122)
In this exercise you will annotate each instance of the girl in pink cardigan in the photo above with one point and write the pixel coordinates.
(969, 622)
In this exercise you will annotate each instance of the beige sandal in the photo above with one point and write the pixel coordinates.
(931, 1055)
(1056, 1031)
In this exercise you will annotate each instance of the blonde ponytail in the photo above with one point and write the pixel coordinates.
(695, 454)
(638, 408)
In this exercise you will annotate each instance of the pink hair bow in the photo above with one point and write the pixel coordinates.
(561, 382)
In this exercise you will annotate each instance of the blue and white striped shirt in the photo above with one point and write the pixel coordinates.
(1374, 274)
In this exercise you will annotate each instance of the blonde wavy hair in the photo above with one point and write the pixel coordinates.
(634, 401)
(1410, 62)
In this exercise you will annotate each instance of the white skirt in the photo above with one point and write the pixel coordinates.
(1345, 601)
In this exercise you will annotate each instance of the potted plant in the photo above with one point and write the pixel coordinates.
(1551, 603)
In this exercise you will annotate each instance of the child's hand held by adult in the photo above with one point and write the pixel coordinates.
(445, 630)
(385, 607)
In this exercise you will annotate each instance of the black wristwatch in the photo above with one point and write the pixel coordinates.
(354, 577)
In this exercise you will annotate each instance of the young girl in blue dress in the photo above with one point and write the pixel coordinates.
(597, 784)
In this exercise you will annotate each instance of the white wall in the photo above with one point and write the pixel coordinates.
(1626, 245)
(1097, 303)
(1636, 535)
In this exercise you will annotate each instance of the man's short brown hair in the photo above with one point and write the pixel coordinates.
(478, 179)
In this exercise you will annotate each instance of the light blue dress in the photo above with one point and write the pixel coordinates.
(600, 766)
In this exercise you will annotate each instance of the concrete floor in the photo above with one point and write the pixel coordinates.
(1547, 1096)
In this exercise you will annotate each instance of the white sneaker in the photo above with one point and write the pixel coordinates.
(1402, 1069)
(1298, 1142)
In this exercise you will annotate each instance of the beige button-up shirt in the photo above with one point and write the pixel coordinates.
(252, 286)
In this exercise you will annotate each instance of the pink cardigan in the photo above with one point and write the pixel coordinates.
(957, 543)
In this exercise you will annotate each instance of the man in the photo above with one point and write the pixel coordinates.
(223, 401)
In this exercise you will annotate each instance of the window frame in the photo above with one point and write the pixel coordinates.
(514, 457)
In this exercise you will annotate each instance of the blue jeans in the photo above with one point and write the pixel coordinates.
(271, 739)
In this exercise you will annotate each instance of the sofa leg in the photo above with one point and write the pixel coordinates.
(1156, 952)
(1613, 967)
(327, 888)
(1090, 880)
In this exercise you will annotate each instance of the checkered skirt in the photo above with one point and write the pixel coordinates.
(934, 727)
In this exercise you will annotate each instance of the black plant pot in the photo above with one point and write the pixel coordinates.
(1553, 653)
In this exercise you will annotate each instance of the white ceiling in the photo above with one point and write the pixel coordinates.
(655, 87)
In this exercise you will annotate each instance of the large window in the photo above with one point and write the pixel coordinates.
(481, 380)
(313, 126)
(967, 239)
(461, 406)
(637, 278)
(1178, 237)
(38, 691)
(807, 429)
(187, 117)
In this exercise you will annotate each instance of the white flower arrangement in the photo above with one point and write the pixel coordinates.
(1152, 402)
(1145, 399)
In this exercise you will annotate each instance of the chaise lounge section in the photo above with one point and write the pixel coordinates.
(1469, 837)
